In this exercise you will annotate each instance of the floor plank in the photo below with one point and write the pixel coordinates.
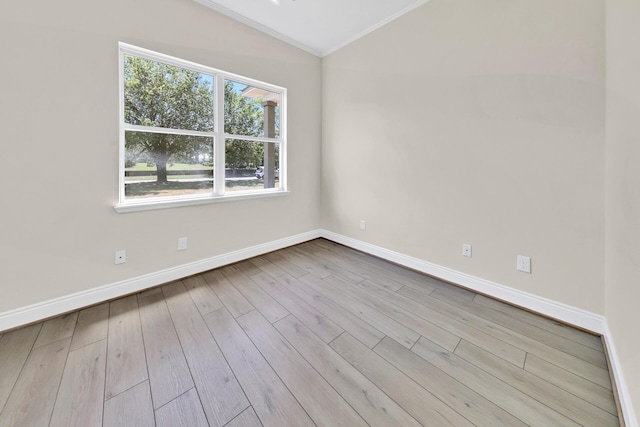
(14, 350)
(126, 361)
(219, 391)
(57, 329)
(407, 318)
(81, 393)
(357, 327)
(458, 396)
(313, 334)
(387, 325)
(323, 404)
(320, 324)
(491, 388)
(422, 405)
(551, 395)
(130, 408)
(33, 396)
(169, 375)
(202, 294)
(247, 418)
(235, 302)
(184, 411)
(269, 397)
(92, 326)
(550, 325)
(586, 353)
(261, 300)
(583, 388)
(368, 400)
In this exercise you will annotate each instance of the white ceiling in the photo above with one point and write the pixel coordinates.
(317, 26)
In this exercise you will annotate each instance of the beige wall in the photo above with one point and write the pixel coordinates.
(59, 114)
(475, 122)
(623, 188)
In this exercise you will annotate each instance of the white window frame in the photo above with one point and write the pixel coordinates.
(219, 137)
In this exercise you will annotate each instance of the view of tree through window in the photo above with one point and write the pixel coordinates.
(170, 136)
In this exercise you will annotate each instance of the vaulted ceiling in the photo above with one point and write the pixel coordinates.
(317, 26)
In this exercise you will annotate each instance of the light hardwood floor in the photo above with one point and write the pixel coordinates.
(315, 334)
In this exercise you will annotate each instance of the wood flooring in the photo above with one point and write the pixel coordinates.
(315, 334)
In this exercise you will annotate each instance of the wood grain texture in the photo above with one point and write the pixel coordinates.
(357, 327)
(581, 351)
(422, 405)
(247, 418)
(15, 347)
(126, 360)
(542, 322)
(323, 404)
(235, 302)
(543, 391)
(33, 396)
(130, 408)
(387, 325)
(583, 388)
(169, 374)
(313, 334)
(319, 323)
(202, 294)
(92, 326)
(271, 309)
(57, 329)
(269, 397)
(455, 394)
(368, 400)
(491, 388)
(219, 391)
(81, 393)
(184, 411)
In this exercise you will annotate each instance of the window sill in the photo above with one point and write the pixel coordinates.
(193, 201)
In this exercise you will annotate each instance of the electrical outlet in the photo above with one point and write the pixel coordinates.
(524, 264)
(182, 244)
(363, 224)
(121, 256)
(466, 250)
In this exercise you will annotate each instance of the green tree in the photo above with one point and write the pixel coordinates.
(242, 116)
(165, 96)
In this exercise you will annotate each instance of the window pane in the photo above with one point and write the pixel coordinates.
(161, 165)
(245, 168)
(251, 111)
(161, 95)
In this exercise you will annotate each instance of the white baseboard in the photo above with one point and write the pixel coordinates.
(566, 313)
(630, 418)
(36, 312)
(572, 315)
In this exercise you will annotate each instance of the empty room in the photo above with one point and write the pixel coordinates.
(305, 212)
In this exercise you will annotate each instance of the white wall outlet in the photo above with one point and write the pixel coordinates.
(524, 264)
(363, 224)
(182, 244)
(121, 256)
(466, 249)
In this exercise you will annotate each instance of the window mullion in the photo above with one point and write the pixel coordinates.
(219, 141)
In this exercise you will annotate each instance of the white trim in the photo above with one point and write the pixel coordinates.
(590, 321)
(166, 203)
(253, 24)
(566, 313)
(312, 50)
(624, 398)
(33, 313)
(374, 27)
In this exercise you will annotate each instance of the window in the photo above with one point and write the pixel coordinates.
(191, 134)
